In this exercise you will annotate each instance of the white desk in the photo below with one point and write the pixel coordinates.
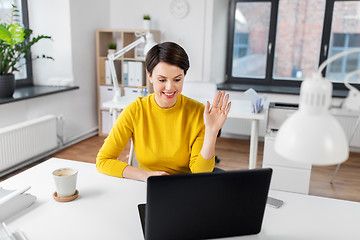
(239, 111)
(107, 209)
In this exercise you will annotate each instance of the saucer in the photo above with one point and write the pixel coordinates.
(66, 199)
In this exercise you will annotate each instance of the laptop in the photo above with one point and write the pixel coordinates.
(205, 205)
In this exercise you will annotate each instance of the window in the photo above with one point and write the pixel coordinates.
(249, 37)
(341, 42)
(241, 45)
(250, 40)
(24, 76)
(298, 39)
(281, 42)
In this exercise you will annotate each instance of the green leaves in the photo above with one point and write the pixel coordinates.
(5, 35)
(17, 33)
(15, 43)
(12, 34)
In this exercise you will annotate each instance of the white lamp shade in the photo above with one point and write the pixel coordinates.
(315, 139)
(312, 135)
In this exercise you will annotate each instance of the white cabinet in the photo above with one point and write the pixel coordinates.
(287, 175)
(107, 121)
(106, 93)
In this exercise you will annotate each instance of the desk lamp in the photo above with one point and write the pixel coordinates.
(312, 135)
(148, 38)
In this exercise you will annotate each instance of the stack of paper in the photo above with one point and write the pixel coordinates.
(257, 102)
(14, 201)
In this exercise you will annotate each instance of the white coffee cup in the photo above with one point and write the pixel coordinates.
(65, 181)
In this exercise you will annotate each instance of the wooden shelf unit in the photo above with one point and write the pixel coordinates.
(122, 37)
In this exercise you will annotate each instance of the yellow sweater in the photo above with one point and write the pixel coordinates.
(167, 140)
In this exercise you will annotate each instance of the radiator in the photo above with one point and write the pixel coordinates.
(348, 124)
(23, 141)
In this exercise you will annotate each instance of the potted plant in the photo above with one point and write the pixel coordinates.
(146, 22)
(112, 48)
(15, 43)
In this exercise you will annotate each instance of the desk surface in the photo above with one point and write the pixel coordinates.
(107, 209)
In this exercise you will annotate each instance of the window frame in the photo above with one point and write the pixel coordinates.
(230, 49)
(325, 43)
(28, 81)
(269, 80)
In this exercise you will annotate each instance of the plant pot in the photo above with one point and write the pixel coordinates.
(111, 51)
(7, 85)
(146, 24)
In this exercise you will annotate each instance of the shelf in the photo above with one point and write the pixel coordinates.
(129, 86)
(134, 59)
(122, 37)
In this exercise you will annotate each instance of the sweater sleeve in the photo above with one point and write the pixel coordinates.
(114, 144)
(197, 162)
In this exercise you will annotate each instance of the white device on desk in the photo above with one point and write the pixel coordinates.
(13, 202)
(288, 175)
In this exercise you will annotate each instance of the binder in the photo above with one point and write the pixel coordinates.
(139, 74)
(132, 73)
(135, 74)
(126, 73)
(107, 73)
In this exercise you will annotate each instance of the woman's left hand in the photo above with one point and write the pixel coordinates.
(215, 116)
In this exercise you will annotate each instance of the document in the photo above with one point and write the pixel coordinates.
(257, 102)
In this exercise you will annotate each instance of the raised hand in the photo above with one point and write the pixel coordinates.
(215, 116)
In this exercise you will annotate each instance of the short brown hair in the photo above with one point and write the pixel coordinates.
(168, 52)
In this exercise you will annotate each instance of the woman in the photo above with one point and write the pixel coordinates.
(171, 133)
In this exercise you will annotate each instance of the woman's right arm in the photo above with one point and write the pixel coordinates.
(106, 161)
(140, 174)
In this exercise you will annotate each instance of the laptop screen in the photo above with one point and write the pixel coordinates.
(206, 205)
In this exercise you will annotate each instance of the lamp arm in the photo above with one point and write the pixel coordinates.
(348, 76)
(352, 101)
(335, 57)
(126, 49)
(112, 58)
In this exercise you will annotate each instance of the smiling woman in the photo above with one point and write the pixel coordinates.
(167, 64)
(167, 81)
(171, 133)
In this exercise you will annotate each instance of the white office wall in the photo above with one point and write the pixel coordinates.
(51, 18)
(215, 40)
(72, 24)
(189, 32)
